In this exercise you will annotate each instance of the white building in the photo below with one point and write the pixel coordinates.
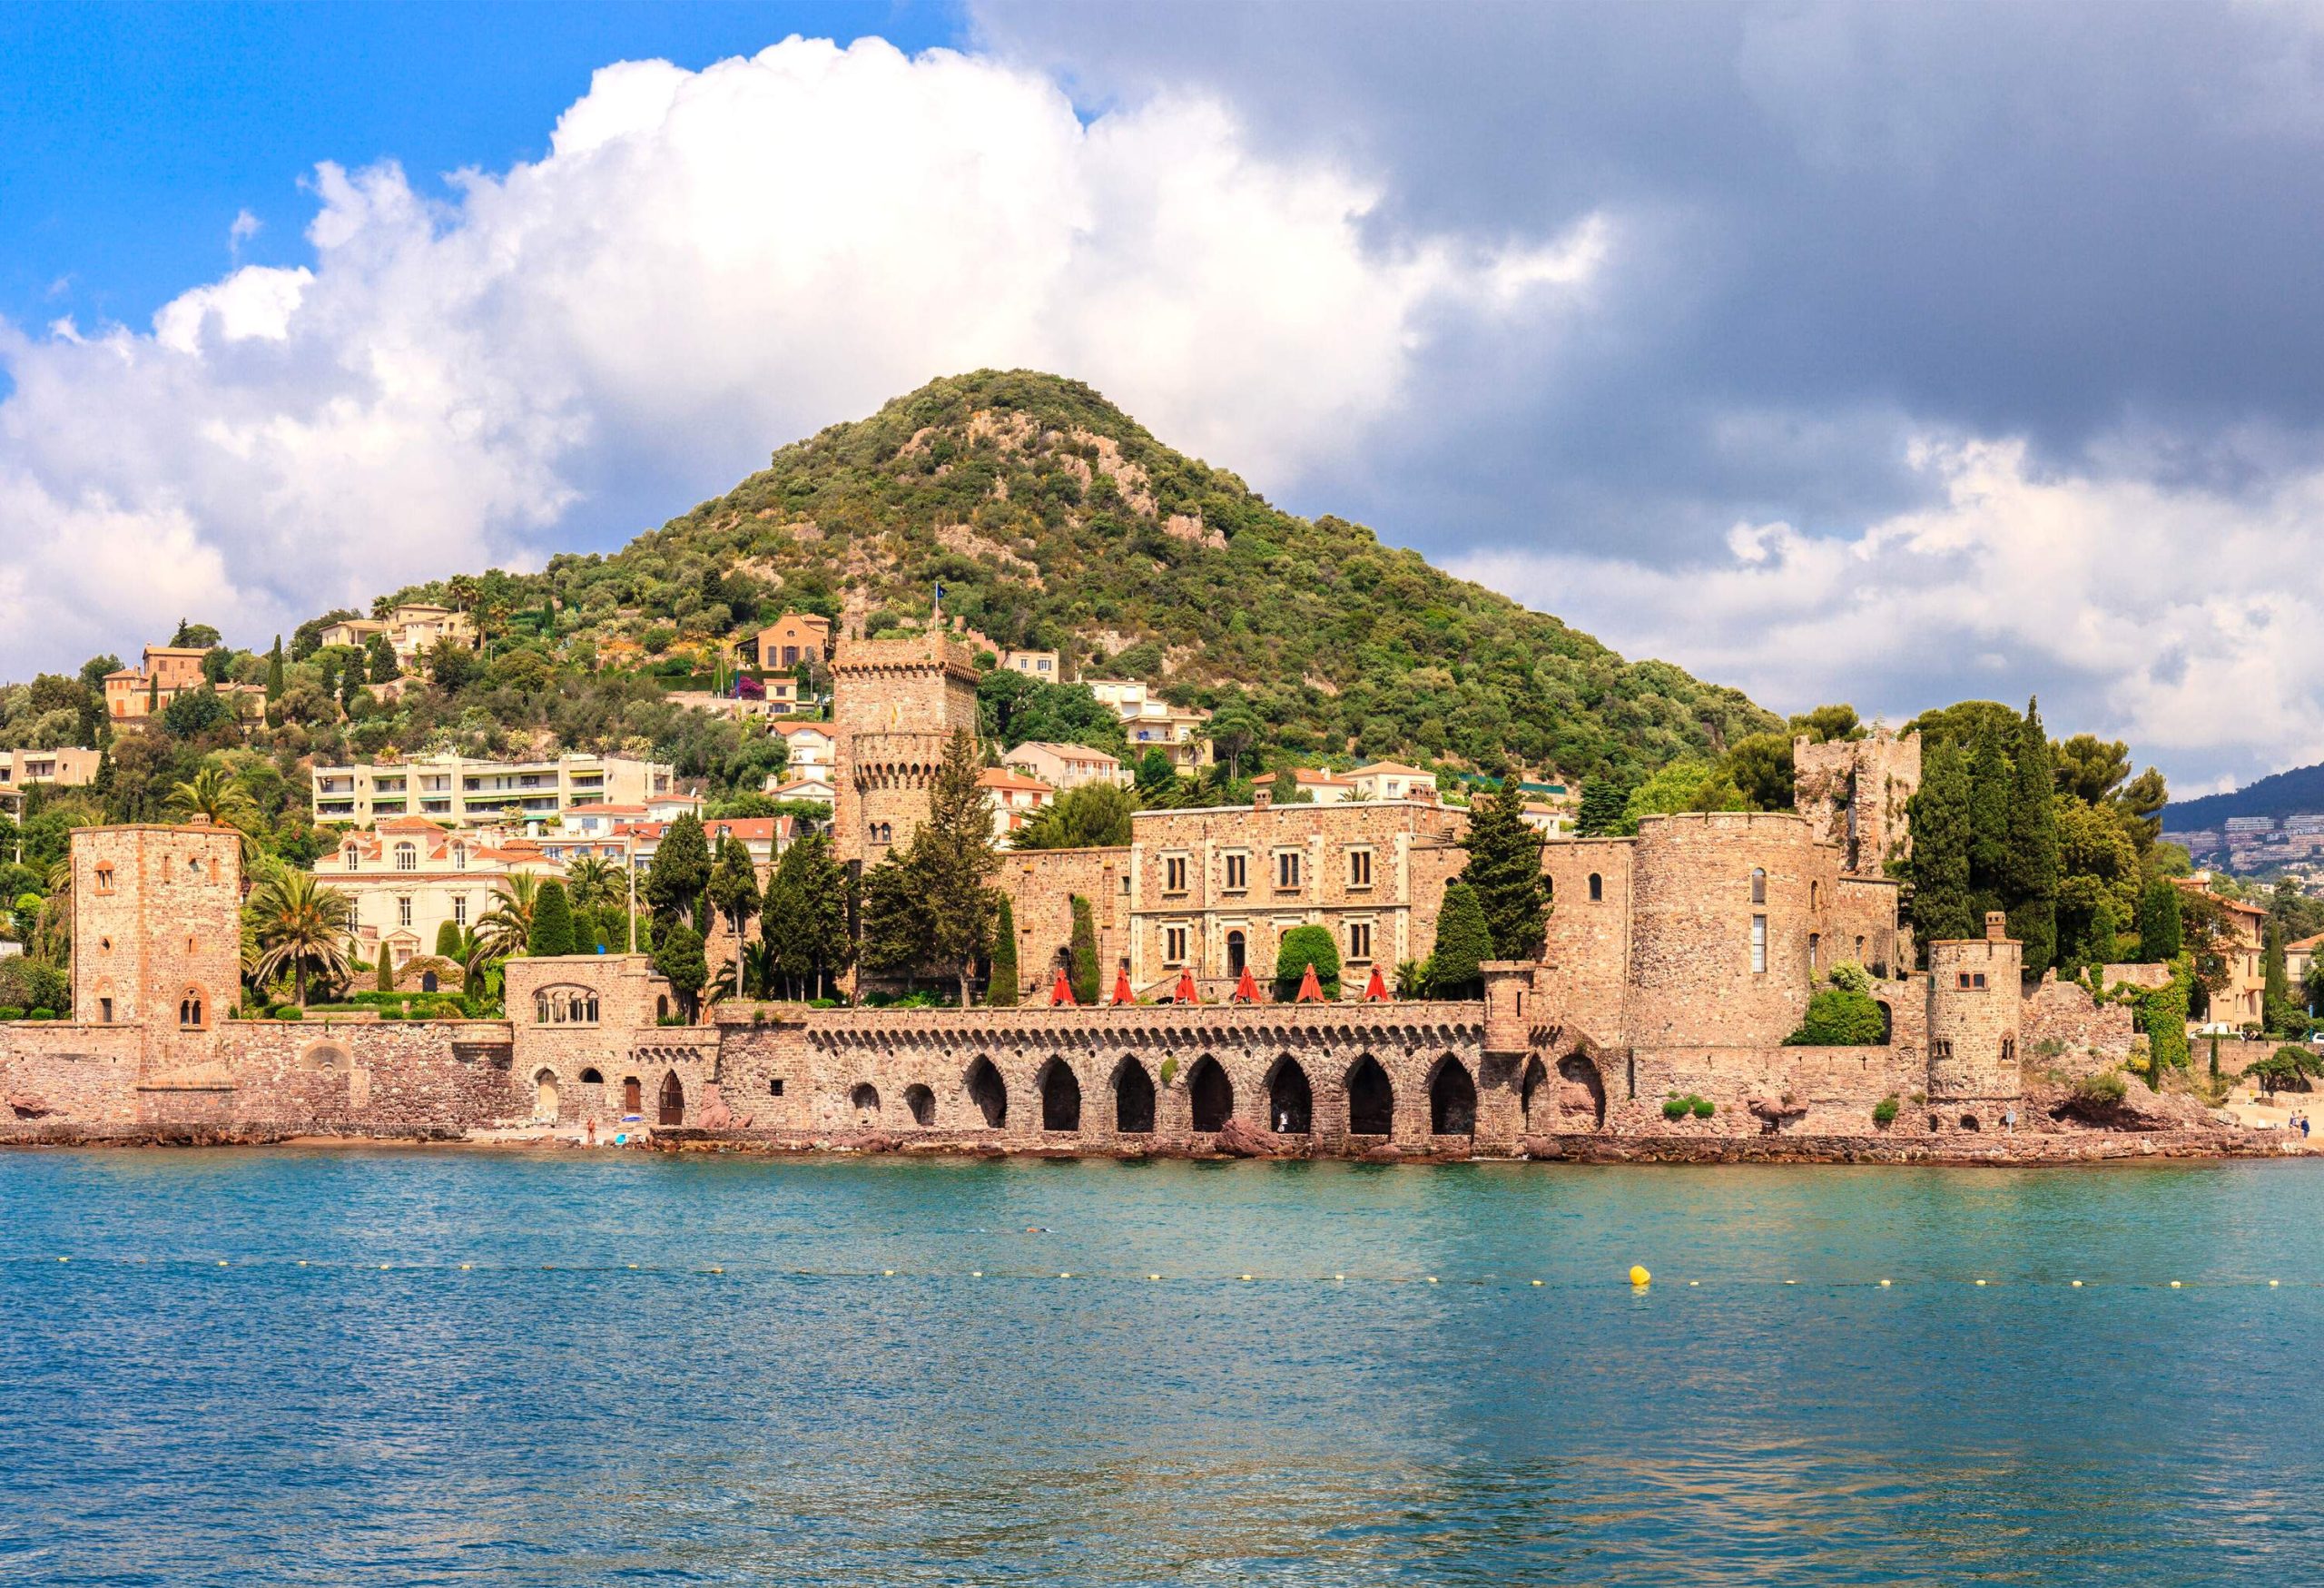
(1014, 797)
(1392, 779)
(1064, 767)
(459, 791)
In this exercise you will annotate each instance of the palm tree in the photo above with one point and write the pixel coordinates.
(213, 796)
(300, 925)
(509, 922)
(594, 882)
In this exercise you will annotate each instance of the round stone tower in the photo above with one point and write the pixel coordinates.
(1729, 922)
(1973, 1081)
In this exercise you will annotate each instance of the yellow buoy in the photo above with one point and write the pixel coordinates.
(64, 1259)
(1153, 1276)
(1639, 1275)
(1537, 1284)
(1247, 1275)
(1066, 1275)
(1694, 1284)
(1884, 1283)
(302, 1262)
(467, 1265)
(2273, 1283)
(976, 1274)
(887, 1273)
(2175, 1284)
(1432, 1278)
(1340, 1277)
(1981, 1282)
(2077, 1284)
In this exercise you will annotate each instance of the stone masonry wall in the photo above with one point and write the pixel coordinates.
(1040, 884)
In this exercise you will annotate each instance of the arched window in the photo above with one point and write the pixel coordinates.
(1815, 895)
(922, 1104)
(191, 1017)
(105, 879)
(1759, 886)
(1815, 950)
(1597, 887)
(351, 858)
(1211, 1094)
(407, 857)
(565, 1006)
(1548, 889)
(988, 1093)
(593, 1077)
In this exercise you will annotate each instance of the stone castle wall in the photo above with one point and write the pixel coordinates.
(1041, 884)
(1854, 793)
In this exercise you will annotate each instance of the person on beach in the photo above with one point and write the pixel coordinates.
(590, 1130)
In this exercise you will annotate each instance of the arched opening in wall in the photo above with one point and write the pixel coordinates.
(1581, 1094)
(1887, 1022)
(661, 1006)
(921, 1103)
(1212, 1094)
(1968, 1121)
(1451, 1099)
(1371, 1101)
(1238, 953)
(988, 1093)
(633, 1096)
(545, 1097)
(674, 1100)
(1529, 1090)
(593, 1076)
(1758, 886)
(1133, 1099)
(1061, 1097)
(865, 1100)
(324, 1057)
(193, 1013)
(1597, 888)
(1291, 1101)
(428, 983)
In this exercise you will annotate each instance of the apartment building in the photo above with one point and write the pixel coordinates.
(412, 630)
(462, 791)
(1152, 723)
(19, 769)
(1040, 666)
(1064, 767)
(1013, 798)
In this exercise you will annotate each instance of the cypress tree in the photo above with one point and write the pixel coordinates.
(1463, 942)
(825, 892)
(552, 927)
(680, 961)
(1505, 870)
(2031, 875)
(1083, 952)
(2275, 1007)
(896, 927)
(1939, 812)
(2161, 936)
(1000, 988)
(447, 942)
(952, 861)
(783, 920)
(675, 887)
(275, 670)
(734, 893)
(1605, 801)
(1989, 792)
(387, 968)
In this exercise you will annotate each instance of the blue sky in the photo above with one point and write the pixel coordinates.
(1889, 353)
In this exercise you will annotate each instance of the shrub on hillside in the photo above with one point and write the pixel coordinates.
(1838, 1018)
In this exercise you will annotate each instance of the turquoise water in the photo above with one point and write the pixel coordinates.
(552, 1416)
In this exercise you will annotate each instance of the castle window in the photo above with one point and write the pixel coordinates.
(104, 1011)
(1815, 950)
(194, 866)
(1173, 873)
(1597, 887)
(1941, 1050)
(1972, 980)
(459, 910)
(1238, 873)
(1815, 895)
(1359, 940)
(2009, 1049)
(1287, 868)
(105, 879)
(592, 1077)
(1174, 945)
(190, 1011)
(1759, 887)
(1359, 868)
(1758, 945)
(1859, 951)
(565, 1006)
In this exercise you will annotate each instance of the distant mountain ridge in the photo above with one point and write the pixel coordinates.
(2283, 793)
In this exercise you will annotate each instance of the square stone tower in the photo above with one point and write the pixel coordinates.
(1854, 791)
(157, 935)
(895, 706)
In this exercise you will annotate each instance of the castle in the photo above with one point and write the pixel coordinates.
(1676, 964)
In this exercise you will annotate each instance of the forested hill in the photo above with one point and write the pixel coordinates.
(2285, 793)
(1055, 521)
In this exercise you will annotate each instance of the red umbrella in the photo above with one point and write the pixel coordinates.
(1061, 991)
(1186, 992)
(1246, 990)
(1376, 990)
(1122, 995)
(1311, 990)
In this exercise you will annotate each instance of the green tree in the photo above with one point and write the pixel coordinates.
(734, 893)
(952, 861)
(2031, 874)
(1504, 869)
(1234, 732)
(451, 942)
(678, 957)
(1464, 943)
(895, 928)
(508, 927)
(681, 874)
(1603, 800)
(2278, 1014)
(1157, 780)
(1301, 947)
(195, 711)
(2160, 937)
(1001, 987)
(194, 637)
(1938, 812)
(1838, 1017)
(298, 925)
(1685, 784)
(379, 660)
(1082, 952)
(275, 670)
(1094, 816)
(1760, 766)
(551, 930)
(452, 667)
(386, 967)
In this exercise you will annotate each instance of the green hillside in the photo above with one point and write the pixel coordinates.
(1055, 521)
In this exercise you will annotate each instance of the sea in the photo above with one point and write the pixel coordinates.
(397, 1366)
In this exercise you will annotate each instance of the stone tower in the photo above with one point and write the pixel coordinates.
(895, 706)
(157, 937)
(1972, 1024)
(1854, 791)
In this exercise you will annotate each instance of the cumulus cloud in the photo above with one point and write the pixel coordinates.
(703, 265)
(2186, 618)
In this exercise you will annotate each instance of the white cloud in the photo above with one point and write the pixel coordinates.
(704, 265)
(2185, 618)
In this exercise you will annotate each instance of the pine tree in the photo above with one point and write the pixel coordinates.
(951, 861)
(1943, 906)
(1463, 942)
(552, 929)
(1505, 870)
(734, 893)
(675, 887)
(896, 927)
(679, 958)
(1603, 801)
(1989, 796)
(2161, 936)
(1082, 952)
(2031, 885)
(1001, 987)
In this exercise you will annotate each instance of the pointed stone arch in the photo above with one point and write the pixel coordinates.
(1371, 1099)
(674, 1100)
(1452, 1098)
(1210, 1094)
(545, 1095)
(1581, 1093)
(1060, 1091)
(864, 1102)
(1291, 1100)
(1133, 1099)
(988, 1094)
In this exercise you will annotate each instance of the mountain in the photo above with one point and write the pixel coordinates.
(2284, 794)
(1053, 520)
